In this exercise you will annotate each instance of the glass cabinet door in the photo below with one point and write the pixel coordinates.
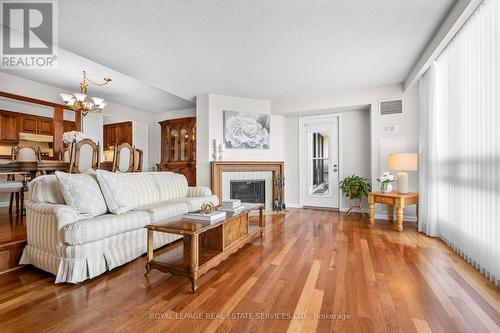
(193, 143)
(174, 144)
(184, 138)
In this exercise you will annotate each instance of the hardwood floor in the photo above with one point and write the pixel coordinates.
(314, 262)
(12, 239)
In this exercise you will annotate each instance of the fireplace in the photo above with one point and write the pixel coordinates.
(253, 191)
(224, 173)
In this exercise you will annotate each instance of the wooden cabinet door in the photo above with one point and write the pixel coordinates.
(124, 133)
(69, 126)
(109, 135)
(45, 126)
(9, 129)
(29, 124)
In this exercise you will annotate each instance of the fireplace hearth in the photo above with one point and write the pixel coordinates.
(253, 191)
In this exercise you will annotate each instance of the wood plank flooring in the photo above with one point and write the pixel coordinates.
(315, 271)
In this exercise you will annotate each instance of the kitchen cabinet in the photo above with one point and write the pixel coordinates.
(69, 126)
(9, 128)
(36, 125)
(116, 134)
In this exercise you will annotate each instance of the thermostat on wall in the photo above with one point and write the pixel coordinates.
(391, 128)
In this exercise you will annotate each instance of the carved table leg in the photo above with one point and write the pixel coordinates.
(193, 261)
(399, 226)
(371, 211)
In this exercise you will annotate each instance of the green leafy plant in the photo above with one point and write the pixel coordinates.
(355, 186)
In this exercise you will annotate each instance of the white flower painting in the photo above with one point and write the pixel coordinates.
(246, 130)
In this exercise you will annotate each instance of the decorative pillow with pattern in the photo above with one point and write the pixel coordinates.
(117, 191)
(81, 191)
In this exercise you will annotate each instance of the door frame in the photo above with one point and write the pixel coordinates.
(338, 117)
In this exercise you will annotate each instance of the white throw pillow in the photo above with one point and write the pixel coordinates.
(117, 191)
(82, 193)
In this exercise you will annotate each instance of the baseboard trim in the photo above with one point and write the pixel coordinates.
(293, 205)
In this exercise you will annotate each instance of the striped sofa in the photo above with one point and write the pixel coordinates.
(75, 250)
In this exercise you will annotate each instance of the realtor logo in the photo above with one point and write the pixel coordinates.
(29, 34)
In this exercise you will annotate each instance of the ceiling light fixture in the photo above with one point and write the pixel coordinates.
(80, 102)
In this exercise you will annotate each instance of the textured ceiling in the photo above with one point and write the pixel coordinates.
(254, 48)
(268, 49)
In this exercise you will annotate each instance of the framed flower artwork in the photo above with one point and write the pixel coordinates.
(246, 130)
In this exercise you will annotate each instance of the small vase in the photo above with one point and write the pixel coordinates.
(387, 188)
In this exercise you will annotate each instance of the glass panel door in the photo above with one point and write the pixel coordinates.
(319, 162)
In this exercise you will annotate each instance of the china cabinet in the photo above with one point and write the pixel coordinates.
(178, 147)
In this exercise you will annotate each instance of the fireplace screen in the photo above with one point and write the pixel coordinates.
(253, 191)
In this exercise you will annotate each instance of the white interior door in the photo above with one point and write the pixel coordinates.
(319, 156)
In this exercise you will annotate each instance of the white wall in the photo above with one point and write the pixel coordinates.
(209, 113)
(355, 148)
(320, 104)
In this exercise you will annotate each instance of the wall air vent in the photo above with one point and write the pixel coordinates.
(393, 106)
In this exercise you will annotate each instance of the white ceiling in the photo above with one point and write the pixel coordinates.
(267, 49)
(122, 89)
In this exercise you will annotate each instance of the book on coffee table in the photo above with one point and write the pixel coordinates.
(210, 217)
(232, 210)
(231, 204)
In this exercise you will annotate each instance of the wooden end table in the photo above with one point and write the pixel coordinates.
(204, 245)
(392, 199)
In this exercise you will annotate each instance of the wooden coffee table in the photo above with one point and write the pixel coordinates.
(204, 245)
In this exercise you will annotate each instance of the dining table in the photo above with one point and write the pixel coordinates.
(34, 167)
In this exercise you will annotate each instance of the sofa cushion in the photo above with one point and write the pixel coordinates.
(103, 226)
(45, 189)
(82, 193)
(194, 203)
(170, 185)
(162, 210)
(144, 188)
(117, 191)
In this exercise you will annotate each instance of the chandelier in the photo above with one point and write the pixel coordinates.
(83, 103)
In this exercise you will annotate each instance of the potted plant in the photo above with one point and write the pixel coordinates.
(355, 188)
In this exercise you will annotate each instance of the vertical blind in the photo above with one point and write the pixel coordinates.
(460, 142)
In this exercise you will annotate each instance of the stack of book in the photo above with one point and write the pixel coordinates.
(214, 216)
(233, 206)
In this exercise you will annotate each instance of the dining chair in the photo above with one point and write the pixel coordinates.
(85, 157)
(16, 189)
(65, 154)
(123, 159)
(14, 186)
(138, 159)
(26, 154)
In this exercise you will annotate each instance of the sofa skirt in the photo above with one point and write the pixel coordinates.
(89, 260)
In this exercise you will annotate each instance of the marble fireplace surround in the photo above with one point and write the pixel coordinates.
(223, 171)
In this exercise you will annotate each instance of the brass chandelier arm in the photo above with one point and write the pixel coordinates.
(84, 84)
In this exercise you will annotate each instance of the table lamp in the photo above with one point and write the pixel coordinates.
(402, 162)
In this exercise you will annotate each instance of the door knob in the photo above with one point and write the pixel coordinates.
(335, 168)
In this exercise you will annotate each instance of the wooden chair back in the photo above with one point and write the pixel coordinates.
(26, 154)
(138, 159)
(65, 154)
(123, 158)
(85, 157)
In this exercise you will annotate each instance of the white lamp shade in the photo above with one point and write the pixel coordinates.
(97, 101)
(66, 97)
(403, 161)
(101, 106)
(80, 97)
